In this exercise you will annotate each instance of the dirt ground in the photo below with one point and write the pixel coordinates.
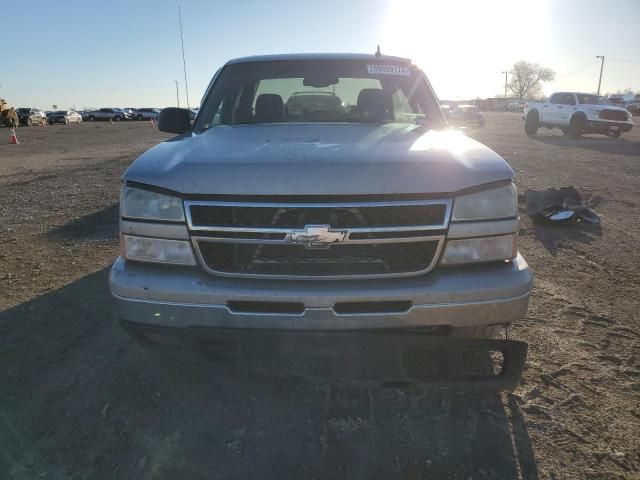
(80, 400)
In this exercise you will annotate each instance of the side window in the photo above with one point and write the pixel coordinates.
(556, 98)
(569, 99)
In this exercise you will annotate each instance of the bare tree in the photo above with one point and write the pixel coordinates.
(526, 79)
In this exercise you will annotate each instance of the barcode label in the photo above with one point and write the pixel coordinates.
(388, 70)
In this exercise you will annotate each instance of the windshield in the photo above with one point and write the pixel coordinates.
(318, 91)
(589, 99)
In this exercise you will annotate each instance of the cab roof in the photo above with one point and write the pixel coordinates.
(319, 56)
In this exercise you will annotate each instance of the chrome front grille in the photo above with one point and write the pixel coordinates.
(320, 240)
(617, 115)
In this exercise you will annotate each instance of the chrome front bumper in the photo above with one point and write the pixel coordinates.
(186, 297)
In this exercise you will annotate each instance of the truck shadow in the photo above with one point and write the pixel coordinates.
(101, 225)
(81, 399)
(599, 143)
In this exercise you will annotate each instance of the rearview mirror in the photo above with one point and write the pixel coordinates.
(174, 120)
(320, 80)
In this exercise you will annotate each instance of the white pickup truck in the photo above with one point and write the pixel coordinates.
(577, 113)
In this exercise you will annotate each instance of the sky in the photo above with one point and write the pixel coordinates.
(126, 53)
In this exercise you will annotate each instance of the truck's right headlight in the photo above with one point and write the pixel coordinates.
(142, 204)
(156, 250)
(495, 203)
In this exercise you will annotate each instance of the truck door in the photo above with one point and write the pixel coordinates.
(550, 112)
(566, 107)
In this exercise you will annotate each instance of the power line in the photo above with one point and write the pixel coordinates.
(621, 60)
(576, 71)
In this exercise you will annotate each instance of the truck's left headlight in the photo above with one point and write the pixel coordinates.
(479, 250)
(495, 203)
(136, 203)
(157, 250)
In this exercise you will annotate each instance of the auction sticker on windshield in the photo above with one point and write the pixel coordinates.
(388, 70)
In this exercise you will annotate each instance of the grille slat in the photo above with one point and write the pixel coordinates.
(341, 260)
(337, 217)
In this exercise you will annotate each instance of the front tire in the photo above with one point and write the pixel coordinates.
(577, 125)
(116, 119)
(92, 118)
(532, 123)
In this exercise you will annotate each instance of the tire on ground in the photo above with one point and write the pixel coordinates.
(532, 123)
(577, 125)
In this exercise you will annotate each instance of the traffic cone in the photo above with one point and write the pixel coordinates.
(13, 139)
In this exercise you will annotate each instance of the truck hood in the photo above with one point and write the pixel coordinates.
(318, 159)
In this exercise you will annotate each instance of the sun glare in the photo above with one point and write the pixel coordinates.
(462, 45)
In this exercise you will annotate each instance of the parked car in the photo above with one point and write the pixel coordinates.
(29, 116)
(85, 114)
(114, 114)
(256, 225)
(64, 116)
(466, 116)
(576, 113)
(633, 107)
(147, 113)
(130, 113)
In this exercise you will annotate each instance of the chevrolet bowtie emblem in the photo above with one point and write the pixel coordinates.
(316, 236)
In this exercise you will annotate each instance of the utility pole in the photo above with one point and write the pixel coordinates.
(505, 85)
(177, 94)
(184, 63)
(601, 67)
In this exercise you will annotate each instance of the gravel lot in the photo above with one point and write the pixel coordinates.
(80, 400)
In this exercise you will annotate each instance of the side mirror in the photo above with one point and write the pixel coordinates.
(174, 120)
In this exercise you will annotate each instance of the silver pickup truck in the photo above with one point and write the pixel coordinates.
(360, 217)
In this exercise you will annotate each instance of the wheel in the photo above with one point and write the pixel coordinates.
(139, 117)
(91, 118)
(476, 331)
(565, 131)
(615, 134)
(532, 123)
(116, 119)
(576, 126)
